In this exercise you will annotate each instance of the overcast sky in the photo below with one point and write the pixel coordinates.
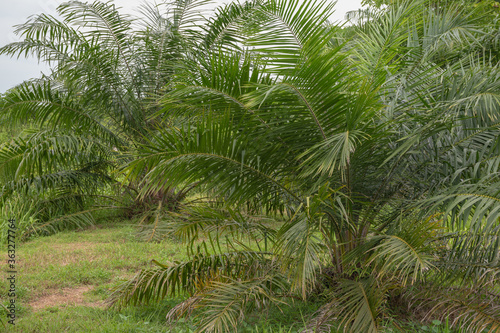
(14, 71)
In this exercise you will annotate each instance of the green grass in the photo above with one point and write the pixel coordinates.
(96, 260)
(63, 279)
(87, 319)
(101, 256)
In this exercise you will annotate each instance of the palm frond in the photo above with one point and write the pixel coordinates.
(226, 303)
(356, 305)
(211, 155)
(152, 285)
(46, 106)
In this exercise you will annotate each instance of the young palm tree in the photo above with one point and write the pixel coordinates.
(373, 148)
(380, 153)
(88, 114)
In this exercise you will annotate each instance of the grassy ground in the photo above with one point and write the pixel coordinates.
(63, 280)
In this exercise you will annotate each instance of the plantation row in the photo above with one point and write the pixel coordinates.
(352, 165)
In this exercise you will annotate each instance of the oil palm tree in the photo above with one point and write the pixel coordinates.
(88, 114)
(377, 155)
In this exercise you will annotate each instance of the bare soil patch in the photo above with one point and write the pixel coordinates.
(64, 297)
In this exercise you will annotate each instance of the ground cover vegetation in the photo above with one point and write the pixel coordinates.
(354, 166)
(64, 279)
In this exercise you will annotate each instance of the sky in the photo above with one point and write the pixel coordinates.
(14, 71)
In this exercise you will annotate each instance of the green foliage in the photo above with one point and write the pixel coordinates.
(379, 154)
(375, 147)
(88, 115)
